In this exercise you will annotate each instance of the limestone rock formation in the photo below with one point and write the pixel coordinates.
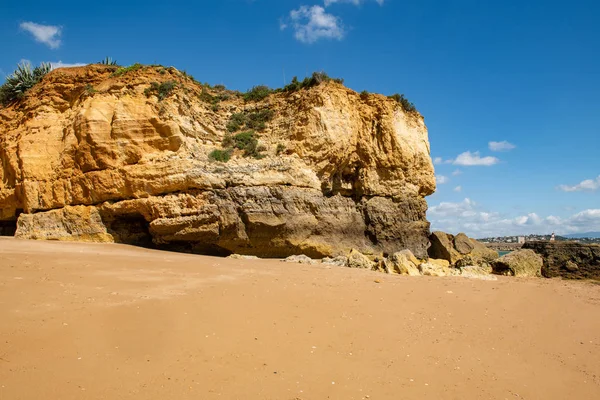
(524, 263)
(404, 263)
(358, 260)
(459, 250)
(96, 154)
(430, 268)
(568, 259)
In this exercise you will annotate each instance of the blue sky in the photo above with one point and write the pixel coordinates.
(522, 72)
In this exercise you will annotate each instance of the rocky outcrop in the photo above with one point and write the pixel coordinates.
(404, 263)
(459, 250)
(93, 155)
(523, 263)
(358, 260)
(568, 259)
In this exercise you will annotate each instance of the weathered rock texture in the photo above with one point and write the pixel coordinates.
(89, 156)
(523, 263)
(568, 259)
(459, 250)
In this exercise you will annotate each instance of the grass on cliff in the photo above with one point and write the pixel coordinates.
(257, 93)
(124, 70)
(161, 90)
(314, 80)
(246, 141)
(403, 101)
(255, 120)
(21, 80)
(220, 155)
(260, 92)
(214, 100)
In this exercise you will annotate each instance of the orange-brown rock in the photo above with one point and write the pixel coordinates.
(88, 155)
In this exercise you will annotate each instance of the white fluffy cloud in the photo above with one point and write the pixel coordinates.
(466, 216)
(501, 146)
(47, 34)
(441, 179)
(311, 24)
(458, 189)
(588, 185)
(355, 2)
(60, 64)
(469, 159)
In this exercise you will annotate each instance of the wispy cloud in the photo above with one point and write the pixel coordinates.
(311, 24)
(468, 159)
(355, 2)
(458, 189)
(456, 172)
(586, 185)
(441, 179)
(466, 216)
(501, 146)
(60, 64)
(47, 34)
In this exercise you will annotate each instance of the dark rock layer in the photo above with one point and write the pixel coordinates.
(568, 259)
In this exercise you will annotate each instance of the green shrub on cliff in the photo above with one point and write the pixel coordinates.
(20, 81)
(220, 155)
(258, 119)
(257, 93)
(236, 122)
(314, 80)
(161, 90)
(124, 70)
(406, 105)
(255, 120)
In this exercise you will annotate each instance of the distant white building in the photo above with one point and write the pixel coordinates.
(552, 238)
(521, 239)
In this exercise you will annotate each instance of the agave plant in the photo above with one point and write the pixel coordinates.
(20, 81)
(108, 61)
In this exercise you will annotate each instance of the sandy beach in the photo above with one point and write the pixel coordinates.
(106, 321)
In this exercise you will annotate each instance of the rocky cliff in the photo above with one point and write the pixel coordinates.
(568, 259)
(100, 154)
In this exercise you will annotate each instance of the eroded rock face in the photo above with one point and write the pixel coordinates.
(523, 263)
(568, 259)
(460, 250)
(88, 156)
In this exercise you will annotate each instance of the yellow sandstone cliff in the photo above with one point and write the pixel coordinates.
(89, 155)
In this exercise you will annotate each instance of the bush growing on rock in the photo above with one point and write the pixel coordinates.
(258, 119)
(162, 90)
(236, 122)
(403, 101)
(124, 70)
(255, 120)
(280, 149)
(220, 155)
(257, 93)
(314, 80)
(24, 78)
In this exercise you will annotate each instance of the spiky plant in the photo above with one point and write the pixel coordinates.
(108, 61)
(20, 81)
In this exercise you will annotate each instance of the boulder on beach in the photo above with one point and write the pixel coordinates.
(524, 263)
(459, 250)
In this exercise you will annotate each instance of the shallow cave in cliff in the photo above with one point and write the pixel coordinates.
(130, 229)
(8, 228)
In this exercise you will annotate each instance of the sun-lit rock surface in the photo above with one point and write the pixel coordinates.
(89, 156)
